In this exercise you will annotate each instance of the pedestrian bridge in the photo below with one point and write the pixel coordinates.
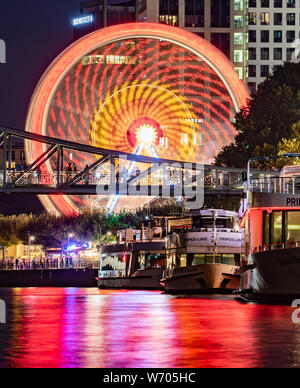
(140, 175)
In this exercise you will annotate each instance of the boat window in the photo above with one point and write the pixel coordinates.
(266, 228)
(224, 258)
(198, 259)
(218, 259)
(276, 235)
(209, 259)
(183, 260)
(228, 259)
(293, 226)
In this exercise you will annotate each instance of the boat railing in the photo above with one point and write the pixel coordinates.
(218, 230)
(274, 185)
(277, 246)
(112, 274)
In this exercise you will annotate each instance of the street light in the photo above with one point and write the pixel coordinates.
(70, 235)
(30, 239)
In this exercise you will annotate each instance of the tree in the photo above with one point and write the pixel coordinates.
(10, 230)
(269, 116)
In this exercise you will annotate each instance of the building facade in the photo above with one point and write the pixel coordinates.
(96, 14)
(17, 155)
(274, 27)
(221, 22)
(256, 35)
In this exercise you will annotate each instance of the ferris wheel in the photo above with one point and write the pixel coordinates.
(144, 89)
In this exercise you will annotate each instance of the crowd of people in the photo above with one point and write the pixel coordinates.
(45, 263)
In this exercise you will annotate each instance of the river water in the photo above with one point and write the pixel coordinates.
(89, 328)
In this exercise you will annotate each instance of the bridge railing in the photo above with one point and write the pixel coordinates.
(211, 179)
(280, 185)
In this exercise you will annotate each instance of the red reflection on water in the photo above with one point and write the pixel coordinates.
(92, 328)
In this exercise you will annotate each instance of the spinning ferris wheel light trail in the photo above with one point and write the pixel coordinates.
(140, 88)
(146, 134)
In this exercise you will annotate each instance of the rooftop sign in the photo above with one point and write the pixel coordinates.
(83, 20)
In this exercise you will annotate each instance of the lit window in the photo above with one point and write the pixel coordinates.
(238, 22)
(239, 71)
(238, 55)
(238, 39)
(265, 18)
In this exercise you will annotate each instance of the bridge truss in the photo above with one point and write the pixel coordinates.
(104, 175)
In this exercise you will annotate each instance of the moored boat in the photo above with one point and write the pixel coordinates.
(272, 231)
(206, 258)
(136, 261)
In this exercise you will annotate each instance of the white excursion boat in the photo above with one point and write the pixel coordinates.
(205, 259)
(136, 261)
(271, 218)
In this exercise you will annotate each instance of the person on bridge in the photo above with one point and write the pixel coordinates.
(69, 171)
(87, 176)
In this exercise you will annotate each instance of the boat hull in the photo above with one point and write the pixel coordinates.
(275, 276)
(141, 280)
(203, 279)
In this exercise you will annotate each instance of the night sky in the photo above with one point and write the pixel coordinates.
(35, 32)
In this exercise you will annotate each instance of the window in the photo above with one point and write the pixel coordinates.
(252, 71)
(264, 71)
(198, 259)
(293, 226)
(238, 55)
(252, 18)
(290, 36)
(171, 20)
(252, 3)
(228, 259)
(13, 155)
(265, 3)
(278, 19)
(277, 3)
(289, 53)
(194, 13)
(264, 54)
(168, 10)
(238, 5)
(276, 227)
(291, 3)
(220, 13)
(252, 54)
(22, 156)
(277, 54)
(238, 39)
(239, 71)
(281, 227)
(265, 18)
(265, 36)
(238, 22)
(277, 36)
(252, 87)
(222, 42)
(290, 19)
(272, 228)
(266, 229)
(252, 36)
